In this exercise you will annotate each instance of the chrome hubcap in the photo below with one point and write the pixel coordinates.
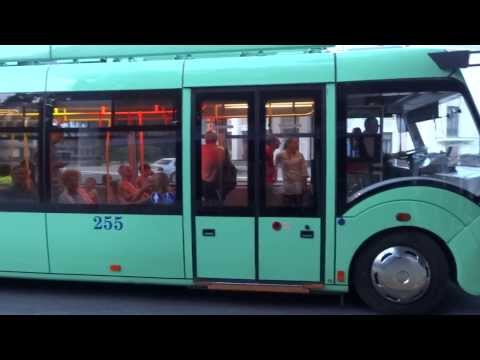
(400, 274)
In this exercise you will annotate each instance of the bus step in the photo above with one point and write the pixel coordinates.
(273, 288)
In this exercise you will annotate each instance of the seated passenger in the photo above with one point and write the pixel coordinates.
(128, 192)
(90, 188)
(73, 194)
(161, 194)
(371, 140)
(19, 191)
(145, 172)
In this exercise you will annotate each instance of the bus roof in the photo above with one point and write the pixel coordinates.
(28, 54)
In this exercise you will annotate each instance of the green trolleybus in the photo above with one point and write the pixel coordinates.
(247, 168)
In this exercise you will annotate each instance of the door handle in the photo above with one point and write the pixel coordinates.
(208, 232)
(306, 234)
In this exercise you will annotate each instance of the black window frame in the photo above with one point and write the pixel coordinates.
(256, 143)
(422, 84)
(114, 96)
(318, 178)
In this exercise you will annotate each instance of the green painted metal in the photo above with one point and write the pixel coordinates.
(94, 51)
(23, 246)
(97, 278)
(62, 52)
(330, 184)
(389, 64)
(147, 246)
(230, 254)
(465, 248)
(25, 79)
(284, 254)
(25, 52)
(165, 74)
(187, 181)
(460, 207)
(424, 215)
(259, 70)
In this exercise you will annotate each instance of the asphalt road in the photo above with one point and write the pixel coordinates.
(26, 297)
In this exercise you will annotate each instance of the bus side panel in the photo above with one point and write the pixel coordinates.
(143, 245)
(259, 70)
(156, 75)
(465, 248)
(23, 79)
(23, 246)
(359, 228)
(387, 64)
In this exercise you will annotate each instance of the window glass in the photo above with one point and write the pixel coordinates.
(224, 153)
(410, 134)
(118, 168)
(144, 112)
(289, 153)
(19, 110)
(82, 114)
(18, 168)
(95, 160)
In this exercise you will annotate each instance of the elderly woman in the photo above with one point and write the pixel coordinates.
(128, 192)
(72, 193)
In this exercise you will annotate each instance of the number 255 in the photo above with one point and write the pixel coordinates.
(106, 223)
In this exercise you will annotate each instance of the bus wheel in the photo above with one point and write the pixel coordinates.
(401, 273)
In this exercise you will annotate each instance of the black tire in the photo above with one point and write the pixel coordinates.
(424, 245)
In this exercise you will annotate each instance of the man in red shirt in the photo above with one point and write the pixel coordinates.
(212, 161)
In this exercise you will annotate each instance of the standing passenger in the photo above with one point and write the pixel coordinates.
(212, 161)
(295, 173)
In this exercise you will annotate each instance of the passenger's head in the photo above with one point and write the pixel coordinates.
(371, 125)
(291, 145)
(71, 180)
(273, 141)
(159, 183)
(20, 176)
(56, 137)
(90, 183)
(125, 171)
(211, 137)
(357, 131)
(145, 169)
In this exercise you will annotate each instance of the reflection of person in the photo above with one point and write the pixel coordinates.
(72, 193)
(91, 189)
(145, 172)
(212, 157)
(128, 192)
(273, 143)
(161, 194)
(19, 190)
(55, 165)
(295, 173)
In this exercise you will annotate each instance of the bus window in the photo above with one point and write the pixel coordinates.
(289, 152)
(120, 166)
(426, 134)
(19, 124)
(82, 114)
(224, 154)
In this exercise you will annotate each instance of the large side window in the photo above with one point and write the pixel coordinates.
(114, 150)
(19, 139)
(289, 152)
(224, 153)
(393, 133)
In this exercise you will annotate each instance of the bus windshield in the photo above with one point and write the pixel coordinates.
(396, 135)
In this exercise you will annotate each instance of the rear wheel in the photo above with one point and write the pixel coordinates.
(401, 273)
